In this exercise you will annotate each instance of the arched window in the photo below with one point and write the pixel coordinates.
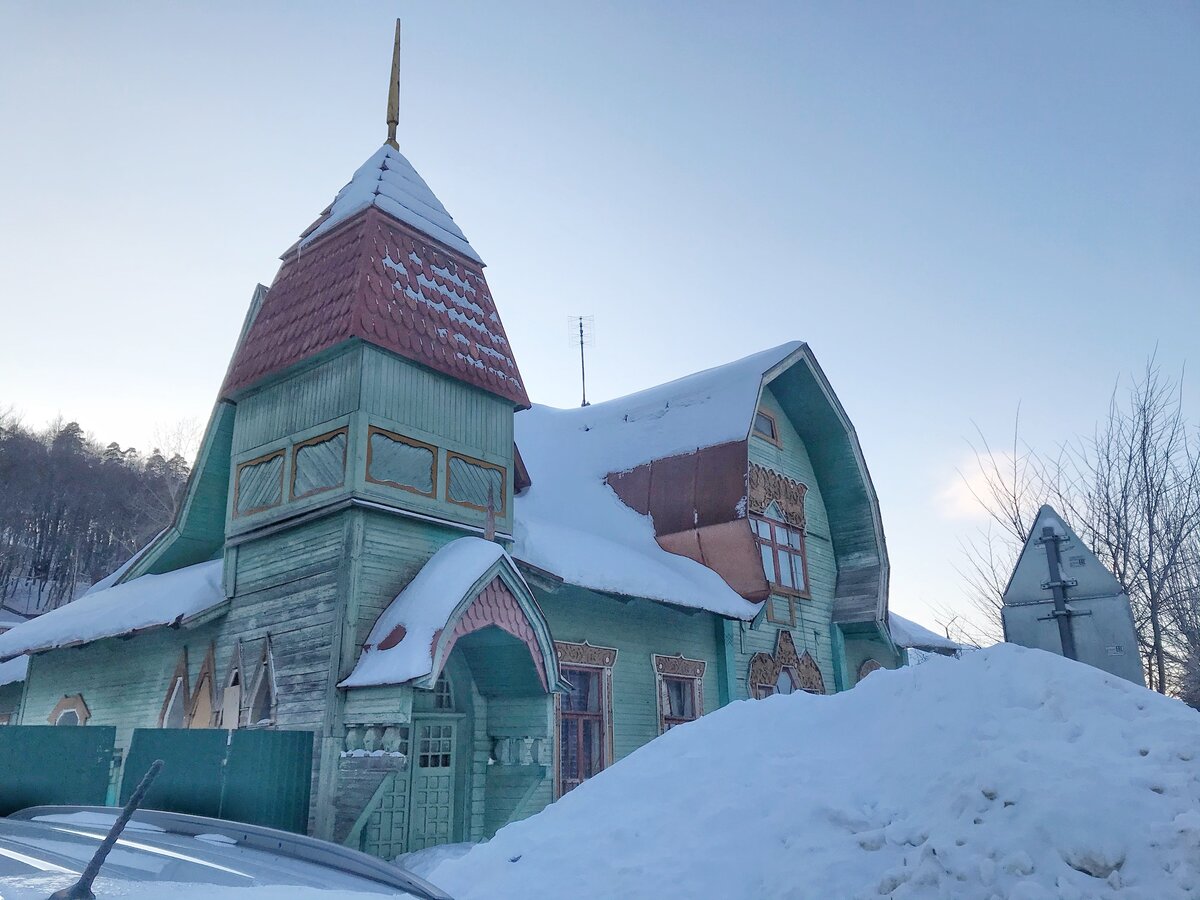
(262, 707)
(231, 702)
(70, 710)
(175, 715)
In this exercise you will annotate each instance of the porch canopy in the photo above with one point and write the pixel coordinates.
(469, 594)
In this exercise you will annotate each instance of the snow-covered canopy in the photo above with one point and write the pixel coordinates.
(421, 610)
(146, 602)
(907, 633)
(570, 523)
(388, 181)
(1009, 773)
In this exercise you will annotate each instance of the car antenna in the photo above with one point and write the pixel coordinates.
(82, 889)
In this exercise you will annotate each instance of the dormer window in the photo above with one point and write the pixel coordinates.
(781, 547)
(765, 426)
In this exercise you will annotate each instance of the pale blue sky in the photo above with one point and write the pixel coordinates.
(961, 207)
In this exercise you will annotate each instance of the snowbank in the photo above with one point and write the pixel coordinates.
(569, 452)
(146, 602)
(1010, 773)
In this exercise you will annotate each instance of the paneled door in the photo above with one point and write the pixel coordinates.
(431, 816)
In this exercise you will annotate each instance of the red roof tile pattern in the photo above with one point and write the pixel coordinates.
(379, 280)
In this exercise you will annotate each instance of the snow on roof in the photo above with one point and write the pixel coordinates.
(1009, 773)
(14, 670)
(907, 633)
(145, 602)
(422, 609)
(113, 577)
(570, 451)
(388, 181)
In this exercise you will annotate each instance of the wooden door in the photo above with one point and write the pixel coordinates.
(431, 818)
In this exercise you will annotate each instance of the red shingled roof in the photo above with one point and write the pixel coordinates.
(382, 281)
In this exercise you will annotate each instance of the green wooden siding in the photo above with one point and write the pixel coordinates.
(638, 629)
(811, 631)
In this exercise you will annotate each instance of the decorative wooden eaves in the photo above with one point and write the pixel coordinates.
(679, 666)
(765, 668)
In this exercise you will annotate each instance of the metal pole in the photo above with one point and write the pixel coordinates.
(1062, 615)
(582, 369)
(82, 889)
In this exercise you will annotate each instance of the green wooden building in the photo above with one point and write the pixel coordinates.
(472, 603)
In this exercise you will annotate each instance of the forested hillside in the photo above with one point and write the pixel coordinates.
(72, 510)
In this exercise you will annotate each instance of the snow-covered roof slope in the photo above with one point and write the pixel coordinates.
(907, 633)
(9, 619)
(422, 609)
(137, 605)
(388, 181)
(1009, 773)
(14, 670)
(570, 451)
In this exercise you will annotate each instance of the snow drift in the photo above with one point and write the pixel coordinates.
(1010, 773)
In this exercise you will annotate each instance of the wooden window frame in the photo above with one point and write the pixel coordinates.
(71, 702)
(237, 482)
(207, 669)
(776, 440)
(412, 442)
(179, 675)
(499, 511)
(776, 586)
(265, 675)
(678, 668)
(585, 656)
(308, 442)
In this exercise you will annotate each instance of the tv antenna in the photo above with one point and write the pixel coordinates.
(582, 331)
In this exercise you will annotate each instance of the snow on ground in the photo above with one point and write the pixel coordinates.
(1011, 773)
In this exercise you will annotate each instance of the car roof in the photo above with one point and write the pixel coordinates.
(176, 847)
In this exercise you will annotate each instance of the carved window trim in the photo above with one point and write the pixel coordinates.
(319, 439)
(237, 482)
(264, 678)
(772, 438)
(503, 505)
(768, 486)
(601, 659)
(764, 670)
(678, 668)
(70, 703)
(868, 666)
(412, 442)
(177, 682)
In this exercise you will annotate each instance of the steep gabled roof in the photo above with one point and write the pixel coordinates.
(387, 265)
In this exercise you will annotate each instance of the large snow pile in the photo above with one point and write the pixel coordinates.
(39, 887)
(1011, 773)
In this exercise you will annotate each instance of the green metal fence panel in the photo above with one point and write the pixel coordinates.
(45, 764)
(268, 779)
(193, 767)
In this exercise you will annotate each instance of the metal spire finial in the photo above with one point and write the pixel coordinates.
(393, 110)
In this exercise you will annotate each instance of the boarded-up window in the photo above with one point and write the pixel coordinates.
(259, 484)
(475, 483)
(401, 462)
(319, 464)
